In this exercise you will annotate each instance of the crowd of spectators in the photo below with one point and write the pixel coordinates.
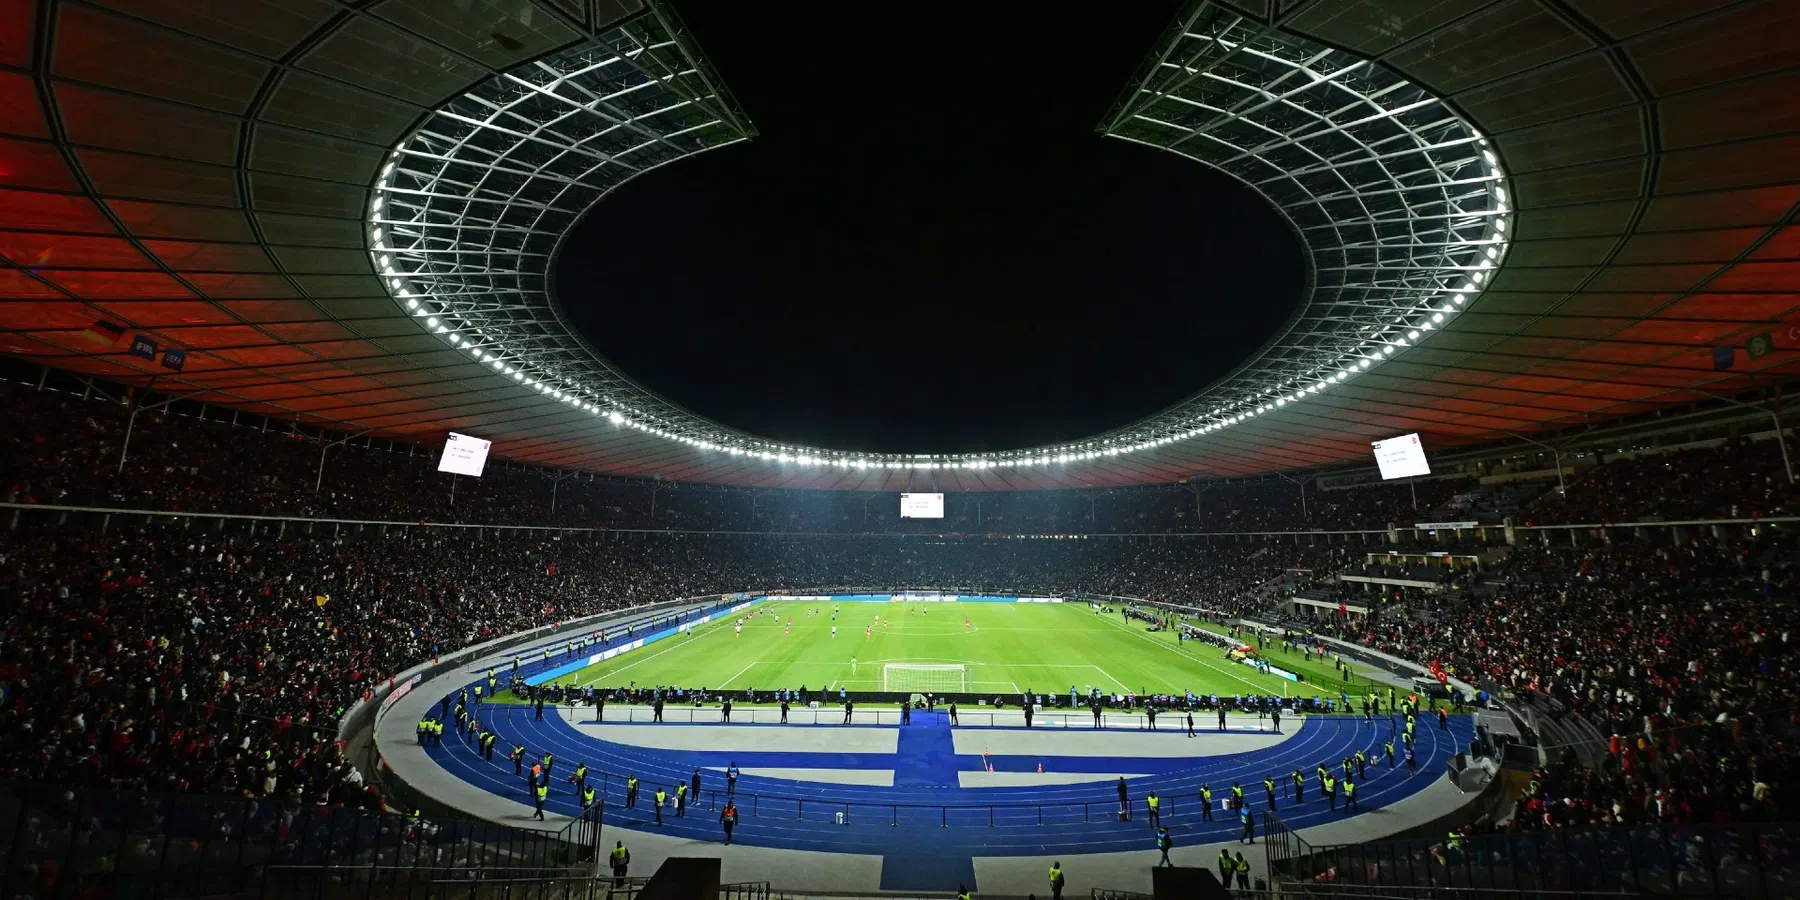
(1734, 480)
(162, 660)
(1683, 655)
(65, 450)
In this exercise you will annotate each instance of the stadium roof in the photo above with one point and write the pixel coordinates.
(1520, 214)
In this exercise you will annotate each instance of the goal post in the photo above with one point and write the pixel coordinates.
(925, 679)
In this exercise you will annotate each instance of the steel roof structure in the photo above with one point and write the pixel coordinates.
(1520, 214)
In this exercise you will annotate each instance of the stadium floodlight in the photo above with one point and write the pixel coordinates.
(1413, 194)
(925, 678)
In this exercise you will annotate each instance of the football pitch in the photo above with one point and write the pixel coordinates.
(1004, 648)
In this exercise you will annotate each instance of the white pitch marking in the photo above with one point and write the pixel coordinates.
(1171, 648)
(739, 674)
(646, 659)
(1122, 685)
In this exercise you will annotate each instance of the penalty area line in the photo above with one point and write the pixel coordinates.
(740, 673)
(1108, 676)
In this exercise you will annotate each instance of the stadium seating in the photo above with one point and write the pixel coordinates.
(1674, 664)
(212, 662)
(1732, 479)
(166, 660)
(66, 451)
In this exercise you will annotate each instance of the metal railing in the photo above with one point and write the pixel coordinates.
(1750, 861)
(833, 714)
(1330, 889)
(13, 513)
(407, 883)
(823, 810)
(322, 883)
(58, 841)
(611, 787)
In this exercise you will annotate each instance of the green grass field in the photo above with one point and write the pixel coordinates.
(1007, 648)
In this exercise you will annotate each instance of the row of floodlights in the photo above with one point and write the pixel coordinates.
(442, 319)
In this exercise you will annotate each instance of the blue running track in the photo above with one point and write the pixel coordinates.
(928, 829)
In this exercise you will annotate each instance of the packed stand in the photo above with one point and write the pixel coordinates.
(165, 660)
(1734, 480)
(64, 450)
(1682, 655)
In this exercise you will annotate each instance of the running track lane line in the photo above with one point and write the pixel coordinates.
(1087, 837)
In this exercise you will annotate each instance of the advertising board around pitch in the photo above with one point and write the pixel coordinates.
(1401, 457)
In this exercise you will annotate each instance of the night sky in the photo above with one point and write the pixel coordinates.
(929, 249)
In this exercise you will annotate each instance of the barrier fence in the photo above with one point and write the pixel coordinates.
(58, 841)
(309, 883)
(611, 788)
(1172, 721)
(335, 883)
(1751, 861)
(15, 516)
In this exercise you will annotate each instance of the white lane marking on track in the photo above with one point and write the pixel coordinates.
(1190, 776)
(1309, 817)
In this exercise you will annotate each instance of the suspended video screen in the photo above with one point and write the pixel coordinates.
(464, 455)
(1401, 457)
(921, 506)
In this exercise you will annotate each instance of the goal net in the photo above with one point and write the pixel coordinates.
(926, 679)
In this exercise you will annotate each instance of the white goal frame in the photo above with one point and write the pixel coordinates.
(956, 680)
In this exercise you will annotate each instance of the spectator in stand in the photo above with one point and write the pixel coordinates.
(182, 660)
(64, 450)
(1684, 654)
(1734, 480)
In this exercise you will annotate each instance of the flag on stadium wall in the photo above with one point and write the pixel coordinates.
(174, 359)
(143, 346)
(1724, 357)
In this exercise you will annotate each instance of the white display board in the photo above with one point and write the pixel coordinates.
(464, 455)
(921, 506)
(1401, 457)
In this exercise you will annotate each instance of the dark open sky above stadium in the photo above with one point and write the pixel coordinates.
(929, 248)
